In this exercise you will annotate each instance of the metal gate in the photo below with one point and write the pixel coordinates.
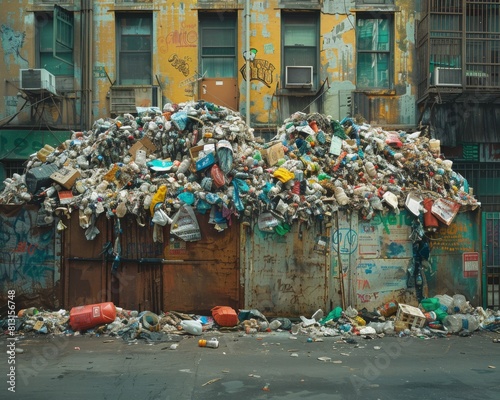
(491, 259)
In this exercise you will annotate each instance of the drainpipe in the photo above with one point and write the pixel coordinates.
(86, 62)
(247, 62)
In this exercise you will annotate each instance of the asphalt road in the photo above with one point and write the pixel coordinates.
(264, 366)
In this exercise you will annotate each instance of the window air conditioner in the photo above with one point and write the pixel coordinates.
(298, 77)
(447, 76)
(37, 79)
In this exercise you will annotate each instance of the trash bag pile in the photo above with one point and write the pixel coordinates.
(197, 157)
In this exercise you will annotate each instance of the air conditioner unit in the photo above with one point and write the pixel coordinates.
(444, 76)
(298, 76)
(37, 79)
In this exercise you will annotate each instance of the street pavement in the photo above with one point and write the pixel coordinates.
(275, 365)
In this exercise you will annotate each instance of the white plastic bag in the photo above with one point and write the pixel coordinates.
(161, 217)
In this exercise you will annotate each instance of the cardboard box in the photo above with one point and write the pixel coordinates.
(65, 196)
(144, 144)
(207, 160)
(445, 210)
(273, 154)
(66, 177)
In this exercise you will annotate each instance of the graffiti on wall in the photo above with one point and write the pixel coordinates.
(180, 64)
(26, 254)
(377, 278)
(260, 70)
(345, 241)
(12, 43)
(455, 238)
(187, 36)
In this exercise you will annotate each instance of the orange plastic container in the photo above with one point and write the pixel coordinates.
(225, 316)
(85, 317)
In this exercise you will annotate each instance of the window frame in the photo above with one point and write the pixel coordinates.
(46, 57)
(123, 79)
(389, 52)
(290, 19)
(207, 22)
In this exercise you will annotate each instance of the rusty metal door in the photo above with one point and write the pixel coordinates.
(221, 91)
(85, 276)
(287, 275)
(198, 276)
(92, 274)
(491, 260)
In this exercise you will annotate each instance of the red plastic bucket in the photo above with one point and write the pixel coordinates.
(85, 317)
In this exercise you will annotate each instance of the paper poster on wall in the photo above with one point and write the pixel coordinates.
(470, 264)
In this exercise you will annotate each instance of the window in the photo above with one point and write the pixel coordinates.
(134, 36)
(218, 45)
(374, 48)
(300, 42)
(55, 44)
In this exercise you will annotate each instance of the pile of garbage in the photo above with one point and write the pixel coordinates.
(164, 165)
(435, 317)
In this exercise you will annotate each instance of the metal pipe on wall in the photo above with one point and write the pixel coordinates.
(86, 62)
(247, 61)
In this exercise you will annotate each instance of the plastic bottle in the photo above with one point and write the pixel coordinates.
(212, 343)
(370, 169)
(458, 322)
(446, 302)
(340, 196)
(192, 327)
(183, 167)
(459, 303)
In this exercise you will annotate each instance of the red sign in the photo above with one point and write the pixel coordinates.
(471, 264)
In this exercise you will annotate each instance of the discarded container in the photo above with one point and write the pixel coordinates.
(225, 316)
(388, 309)
(85, 317)
(213, 343)
(150, 321)
(411, 316)
(192, 327)
(431, 223)
(44, 152)
(459, 303)
(435, 146)
(39, 177)
(27, 312)
(457, 322)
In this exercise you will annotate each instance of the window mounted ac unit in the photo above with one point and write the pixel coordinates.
(444, 76)
(37, 79)
(298, 77)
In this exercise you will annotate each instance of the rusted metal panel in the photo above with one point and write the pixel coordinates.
(374, 260)
(376, 256)
(198, 276)
(286, 275)
(85, 265)
(448, 273)
(28, 259)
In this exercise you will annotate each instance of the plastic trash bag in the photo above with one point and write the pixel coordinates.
(225, 155)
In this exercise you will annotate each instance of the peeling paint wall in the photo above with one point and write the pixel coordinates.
(29, 259)
(175, 64)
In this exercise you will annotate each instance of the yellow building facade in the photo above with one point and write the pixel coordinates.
(266, 59)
